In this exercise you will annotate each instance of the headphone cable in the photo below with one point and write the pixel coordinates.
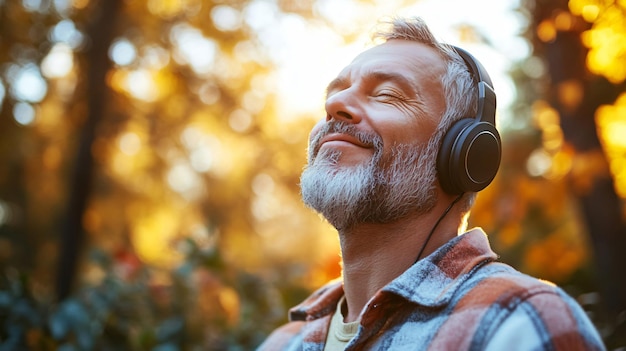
(437, 224)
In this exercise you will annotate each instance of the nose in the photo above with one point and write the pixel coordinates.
(343, 106)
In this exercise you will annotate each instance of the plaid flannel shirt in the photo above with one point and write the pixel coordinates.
(457, 298)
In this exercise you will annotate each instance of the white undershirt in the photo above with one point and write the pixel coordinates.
(340, 333)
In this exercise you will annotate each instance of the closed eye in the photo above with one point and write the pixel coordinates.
(388, 93)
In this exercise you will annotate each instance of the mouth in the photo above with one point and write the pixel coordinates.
(342, 138)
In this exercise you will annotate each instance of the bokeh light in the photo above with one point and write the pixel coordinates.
(66, 32)
(200, 128)
(28, 84)
(24, 113)
(122, 52)
(193, 48)
(59, 62)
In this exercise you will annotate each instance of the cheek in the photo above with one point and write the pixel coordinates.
(313, 136)
(411, 138)
(315, 130)
(418, 132)
(394, 134)
(402, 124)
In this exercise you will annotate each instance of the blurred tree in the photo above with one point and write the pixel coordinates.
(98, 64)
(559, 200)
(576, 94)
(152, 128)
(144, 125)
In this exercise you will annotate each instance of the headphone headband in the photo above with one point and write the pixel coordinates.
(486, 95)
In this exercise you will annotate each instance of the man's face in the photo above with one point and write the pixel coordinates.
(370, 152)
(392, 90)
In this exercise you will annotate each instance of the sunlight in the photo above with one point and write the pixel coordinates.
(590, 12)
(154, 57)
(28, 84)
(240, 120)
(308, 57)
(173, 8)
(194, 116)
(141, 85)
(184, 180)
(264, 205)
(59, 61)
(585, 9)
(202, 149)
(607, 47)
(260, 14)
(65, 32)
(310, 53)
(192, 48)
(130, 143)
(226, 18)
(538, 163)
(122, 52)
(611, 124)
(24, 113)
(153, 235)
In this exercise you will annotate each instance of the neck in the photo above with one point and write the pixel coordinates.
(375, 254)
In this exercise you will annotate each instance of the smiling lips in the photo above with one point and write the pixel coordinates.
(343, 138)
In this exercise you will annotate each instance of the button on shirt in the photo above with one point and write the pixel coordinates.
(457, 298)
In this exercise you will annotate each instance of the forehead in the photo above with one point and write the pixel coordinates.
(413, 59)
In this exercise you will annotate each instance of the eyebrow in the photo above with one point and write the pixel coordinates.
(379, 76)
(336, 83)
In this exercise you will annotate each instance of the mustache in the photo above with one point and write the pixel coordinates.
(369, 139)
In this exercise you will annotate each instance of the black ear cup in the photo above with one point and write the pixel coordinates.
(469, 156)
(470, 152)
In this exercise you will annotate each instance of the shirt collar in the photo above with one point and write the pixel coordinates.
(433, 281)
(430, 282)
(320, 303)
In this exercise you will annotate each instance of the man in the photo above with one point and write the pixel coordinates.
(408, 140)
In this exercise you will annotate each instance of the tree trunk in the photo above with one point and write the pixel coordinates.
(100, 34)
(599, 203)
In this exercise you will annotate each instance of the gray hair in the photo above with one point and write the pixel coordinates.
(459, 87)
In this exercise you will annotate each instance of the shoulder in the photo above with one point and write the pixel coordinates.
(309, 316)
(538, 313)
(499, 282)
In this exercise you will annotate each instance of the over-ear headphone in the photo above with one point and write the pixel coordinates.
(470, 152)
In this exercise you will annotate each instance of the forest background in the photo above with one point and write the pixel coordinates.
(150, 154)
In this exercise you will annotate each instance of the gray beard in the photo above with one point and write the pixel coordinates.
(382, 191)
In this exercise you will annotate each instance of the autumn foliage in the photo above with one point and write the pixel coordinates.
(150, 166)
